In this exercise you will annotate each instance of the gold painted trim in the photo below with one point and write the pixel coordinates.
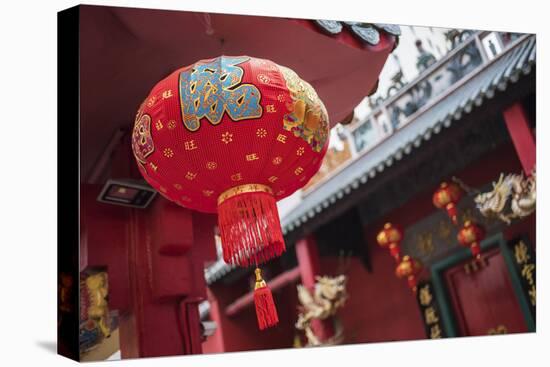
(242, 189)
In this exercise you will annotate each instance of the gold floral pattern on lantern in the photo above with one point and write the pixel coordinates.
(300, 151)
(168, 153)
(261, 133)
(307, 117)
(277, 160)
(142, 141)
(211, 165)
(262, 78)
(227, 137)
(236, 177)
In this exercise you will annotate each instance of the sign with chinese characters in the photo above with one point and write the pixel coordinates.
(430, 312)
(524, 261)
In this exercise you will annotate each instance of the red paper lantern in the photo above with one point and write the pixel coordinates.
(390, 236)
(232, 135)
(470, 235)
(409, 268)
(446, 197)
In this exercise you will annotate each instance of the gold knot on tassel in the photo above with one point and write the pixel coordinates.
(260, 282)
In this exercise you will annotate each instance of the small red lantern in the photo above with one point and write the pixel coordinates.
(233, 135)
(390, 236)
(446, 197)
(409, 268)
(470, 235)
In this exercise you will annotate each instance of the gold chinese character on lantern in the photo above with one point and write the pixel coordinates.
(270, 108)
(167, 94)
(190, 145)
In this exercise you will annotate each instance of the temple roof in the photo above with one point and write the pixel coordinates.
(499, 74)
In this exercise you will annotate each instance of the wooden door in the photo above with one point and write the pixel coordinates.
(483, 300)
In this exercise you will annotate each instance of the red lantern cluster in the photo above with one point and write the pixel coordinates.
(409, 268)
(470, 235)
(391, 236)
(447, 197)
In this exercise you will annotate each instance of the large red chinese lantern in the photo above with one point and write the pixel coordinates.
(447, 197)
(233, 135)
(470, 235)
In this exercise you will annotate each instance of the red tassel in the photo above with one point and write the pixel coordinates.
(249, 225)
(476, 250)
(411, 279)
(265, 306)
(395, 252)
(452, 212)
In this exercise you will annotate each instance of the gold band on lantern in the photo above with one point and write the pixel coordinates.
(243, 189)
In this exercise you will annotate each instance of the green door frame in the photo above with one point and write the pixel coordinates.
(437, 269)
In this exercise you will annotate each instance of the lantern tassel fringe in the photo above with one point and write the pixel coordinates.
(266, 312)
(250, 229)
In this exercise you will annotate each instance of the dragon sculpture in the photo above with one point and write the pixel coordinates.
(328, 296)
(513, 196)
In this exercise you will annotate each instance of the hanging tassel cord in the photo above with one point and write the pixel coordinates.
(266, 312)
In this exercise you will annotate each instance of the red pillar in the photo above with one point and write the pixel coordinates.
(522, 137)
(308, 262)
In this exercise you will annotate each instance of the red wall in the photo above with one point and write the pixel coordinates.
(380, 307)
(156, 291)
